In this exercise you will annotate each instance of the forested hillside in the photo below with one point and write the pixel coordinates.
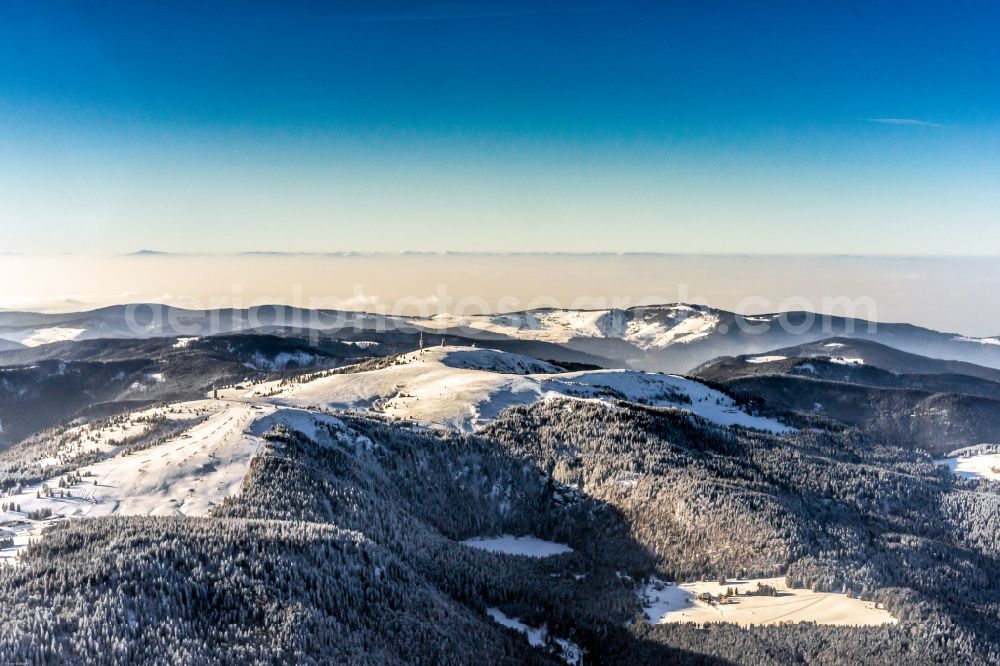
(345, 544)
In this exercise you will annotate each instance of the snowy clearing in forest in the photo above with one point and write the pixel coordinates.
(508, 544)
(980, 341)
(982, 466)
(679, 603)
(765, 359)
(847, 361)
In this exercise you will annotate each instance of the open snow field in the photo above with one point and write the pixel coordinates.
(518, 545)
(544, 325)
(980, 341)
(102, 437)
(981, 466)
(684, 324)
(188, 474)
(42, 336)
(840, 360)
(765, 359)
(464, 388)
(679, 603)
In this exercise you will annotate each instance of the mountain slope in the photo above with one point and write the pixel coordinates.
(41, 387)
(679, 337)
(460, 388)
(936, 405)
(347, 536)
(886, 358)
(936, 422)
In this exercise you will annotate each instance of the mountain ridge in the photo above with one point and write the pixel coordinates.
(667, 337)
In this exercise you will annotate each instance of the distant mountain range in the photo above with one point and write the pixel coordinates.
(669, 338)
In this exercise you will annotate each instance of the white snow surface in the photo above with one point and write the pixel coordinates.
(676, 324)
(692, 326)
(666, 602)
(280, 361)
(490, 360)
(981, 466)
(43, 336)
(981, 341)
(188, 474)
(509, 544)
(547, 325)
(847, 361)
(568, 652)
(765, 359)
(535, 636)
(426, 388)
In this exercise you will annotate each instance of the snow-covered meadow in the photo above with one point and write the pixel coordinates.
(509, 544)
(975, 466)
(666, 602)
(188, 474)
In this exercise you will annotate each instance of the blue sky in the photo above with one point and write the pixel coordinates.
(858, 127)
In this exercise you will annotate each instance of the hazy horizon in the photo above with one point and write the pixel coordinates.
(943, 293)
(515, 152)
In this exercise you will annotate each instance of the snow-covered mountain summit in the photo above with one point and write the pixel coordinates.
(185, 458)
(464, 388)
(654, 328)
